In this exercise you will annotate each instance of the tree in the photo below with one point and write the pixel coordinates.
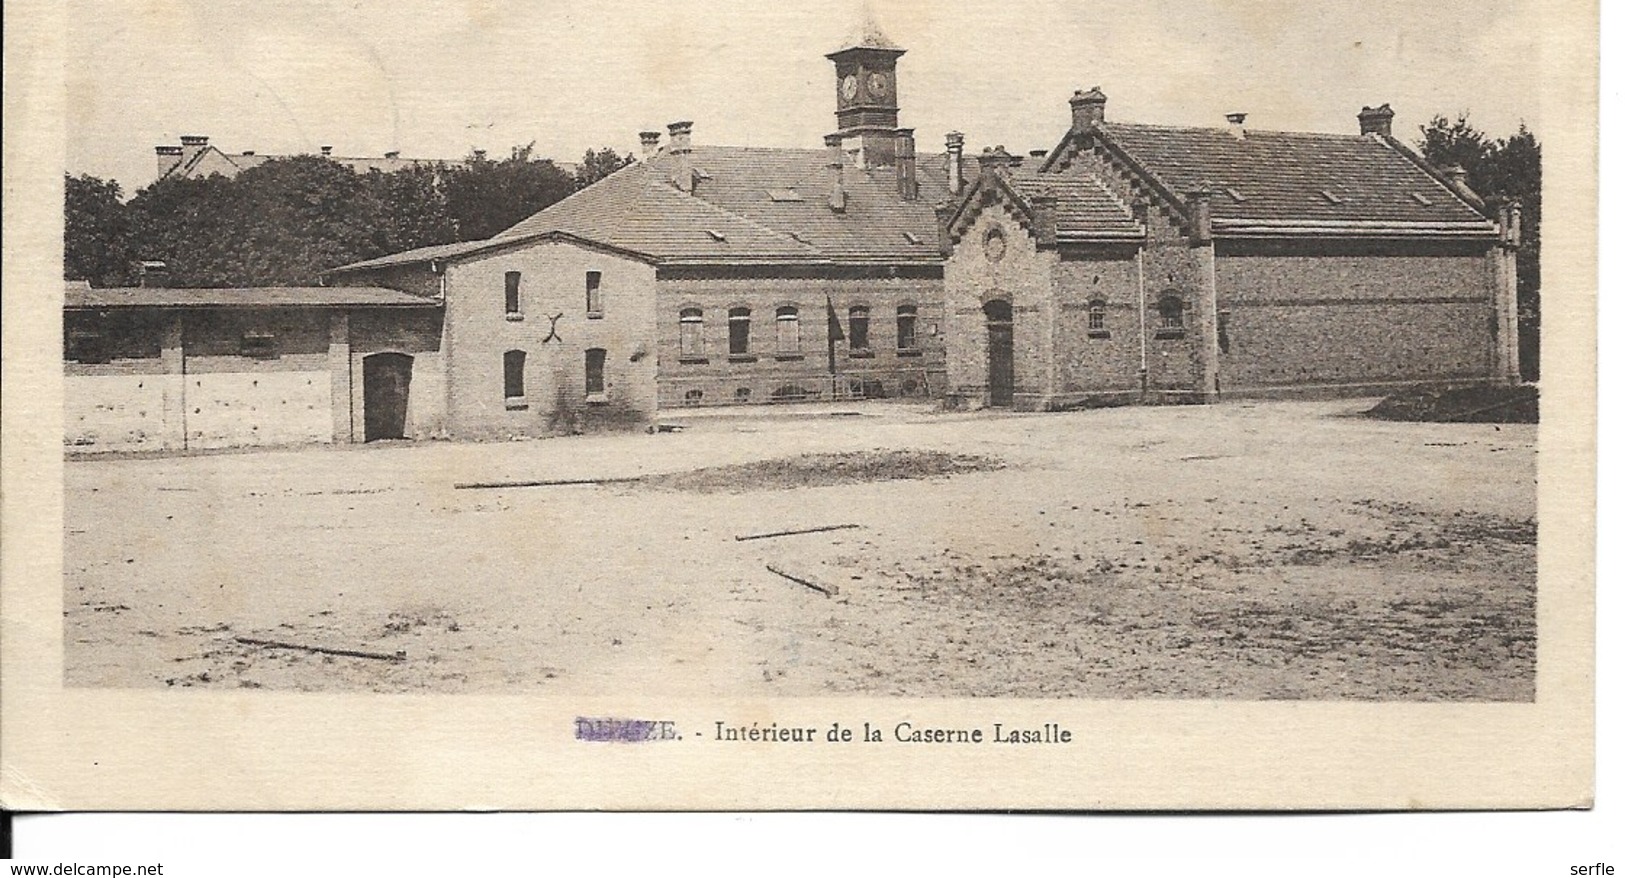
(1505, 168)
(485, 197)
(95, 233)
(598, 164)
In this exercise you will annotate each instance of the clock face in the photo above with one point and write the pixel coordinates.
(849, 87)
(877, 84)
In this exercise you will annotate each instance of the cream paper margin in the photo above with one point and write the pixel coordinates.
(78, 749)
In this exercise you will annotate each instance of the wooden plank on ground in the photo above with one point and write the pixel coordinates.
(790, 533)
(815, 585)
(547, 483)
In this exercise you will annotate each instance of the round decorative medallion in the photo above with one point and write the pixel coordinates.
(993, 244)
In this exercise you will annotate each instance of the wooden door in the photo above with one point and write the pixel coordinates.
(386, 387)
(1001, 353)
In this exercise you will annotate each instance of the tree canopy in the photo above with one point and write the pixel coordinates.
(286, 221)
(1498, 169)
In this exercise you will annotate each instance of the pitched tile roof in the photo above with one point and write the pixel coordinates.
(80, 297)
(1084, 207)
(749, 204)
(1279, 176)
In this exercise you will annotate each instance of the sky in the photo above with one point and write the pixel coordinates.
(437, 78)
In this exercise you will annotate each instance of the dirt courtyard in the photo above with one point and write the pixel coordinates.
(1269, 550)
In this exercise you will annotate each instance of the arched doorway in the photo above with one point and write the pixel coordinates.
(1001, 353)
(386, 382)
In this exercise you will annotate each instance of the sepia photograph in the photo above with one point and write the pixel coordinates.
(1052, 357)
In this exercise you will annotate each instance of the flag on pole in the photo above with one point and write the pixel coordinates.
(835, 333)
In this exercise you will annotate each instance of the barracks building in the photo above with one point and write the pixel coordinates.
(1129, 262)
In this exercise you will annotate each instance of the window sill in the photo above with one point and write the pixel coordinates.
(595, 315)
(909, 352)
(513, 317)
(693, 361)
(597, 399)
(1169, 334)
(789, 358)
(1100, 333)
(515, 404)
(864, 354)
(741, 358)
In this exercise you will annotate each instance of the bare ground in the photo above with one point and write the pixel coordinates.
(1268, 550)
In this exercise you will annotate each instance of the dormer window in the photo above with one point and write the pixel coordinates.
(784, 195)
(1422, 199)
(716, 235)
(1331, 197)
(1234, 194)
(912, 238)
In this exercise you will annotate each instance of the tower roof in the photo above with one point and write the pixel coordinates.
(867, 35)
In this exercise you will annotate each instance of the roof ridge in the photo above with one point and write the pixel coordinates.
(1331, 135)
(643, 164)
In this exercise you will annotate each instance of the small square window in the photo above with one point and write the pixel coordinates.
(595, 294)
(258, 345)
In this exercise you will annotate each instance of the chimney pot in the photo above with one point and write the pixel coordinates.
(1378, 121)
(1088, 109)
(393, 154)
(1238, 122)
(994, 158)
(908, 183)
(327, 150)
(956, 162)
(1037, 153)
(650, 141)
(681, 147)
(834, 149)
(248, 152)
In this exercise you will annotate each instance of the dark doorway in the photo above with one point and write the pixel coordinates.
(1001, 353)
(386, 380)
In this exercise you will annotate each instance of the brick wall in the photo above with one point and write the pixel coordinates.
(766, 373)
(416, 333)
(1025, 277)
(552, 282)
(1388, 314)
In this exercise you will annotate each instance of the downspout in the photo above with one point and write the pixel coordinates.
(1141, 212)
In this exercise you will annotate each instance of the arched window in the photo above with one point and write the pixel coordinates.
(1097, 316)
(595, 371)
(513, 374)
(738, 331)
(691, 334)
(857, 323)
(787, 330)
(907, 318)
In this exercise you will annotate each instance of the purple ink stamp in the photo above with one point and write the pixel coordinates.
(625, 731)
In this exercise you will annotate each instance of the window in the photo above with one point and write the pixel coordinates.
(513, 375)
(1170, 316)
(1097, 320)
(857, 322)
(693, 397)
(511, 293)
(595, 371)
(691, 335)
(788, 331)
(907, 317)
(595, 294)
(1224, 332)
(738, 332)
(87, 346)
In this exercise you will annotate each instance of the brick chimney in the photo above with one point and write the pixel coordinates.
(908, 181)
(994, 159)
(1199, 202)
(650, 140)
(1238, 125)
(1037, 153)
(835, 152)
(681, 147)
(1377, 121)
(1044, 217)
(1088, 109)
(956, 162)
(191, 146)
(168, 158)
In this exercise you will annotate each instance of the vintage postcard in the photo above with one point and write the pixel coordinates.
(838, 405)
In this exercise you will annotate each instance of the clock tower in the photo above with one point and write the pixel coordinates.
(866, 94)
